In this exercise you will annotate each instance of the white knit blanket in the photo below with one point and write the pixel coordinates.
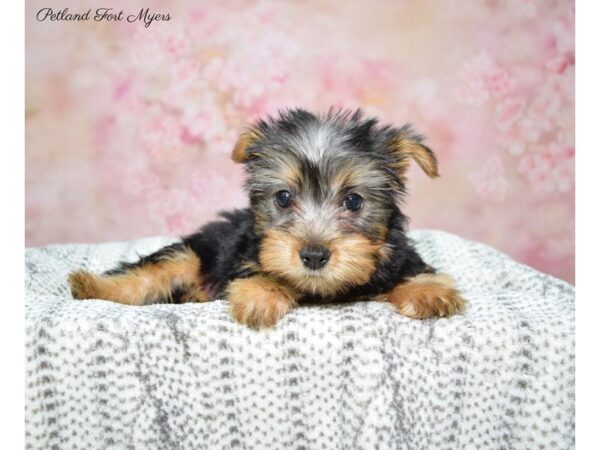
(344, 376)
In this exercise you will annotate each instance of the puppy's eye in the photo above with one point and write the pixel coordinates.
(283, 199)
(353, 202)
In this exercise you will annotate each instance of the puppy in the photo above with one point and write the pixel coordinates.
(323, 225)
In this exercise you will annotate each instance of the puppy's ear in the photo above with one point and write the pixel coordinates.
(406, 145)
(242, 151)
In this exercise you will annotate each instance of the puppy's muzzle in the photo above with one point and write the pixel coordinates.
(315, 257)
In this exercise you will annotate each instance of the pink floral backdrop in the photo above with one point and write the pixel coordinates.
(129, 128)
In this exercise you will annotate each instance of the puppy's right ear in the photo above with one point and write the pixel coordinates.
(242, 152)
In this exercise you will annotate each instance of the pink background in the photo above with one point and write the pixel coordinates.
(129, 129)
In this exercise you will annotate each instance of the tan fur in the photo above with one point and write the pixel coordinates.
(424, 157)
(259, 301)
(353, 260)
(425, 296)
(148, 284)
(344, 176)
(248, 138)
(354, 173)
(250, 266)
(290, 174)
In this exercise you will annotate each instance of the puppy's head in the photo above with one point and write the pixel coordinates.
(323, 190)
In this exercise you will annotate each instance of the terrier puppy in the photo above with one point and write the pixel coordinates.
(323, 225)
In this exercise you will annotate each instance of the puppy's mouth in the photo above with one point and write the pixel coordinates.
(314, 273)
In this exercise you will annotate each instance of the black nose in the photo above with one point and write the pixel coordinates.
(315, 257)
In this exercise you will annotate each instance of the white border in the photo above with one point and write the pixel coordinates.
(12, 189)
(587, 69)
(587, 223)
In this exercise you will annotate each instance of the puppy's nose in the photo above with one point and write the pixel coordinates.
(315, 257)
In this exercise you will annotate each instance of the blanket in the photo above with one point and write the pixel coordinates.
(340, 376)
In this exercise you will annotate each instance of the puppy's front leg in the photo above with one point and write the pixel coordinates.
(426, 295)
(259, 301)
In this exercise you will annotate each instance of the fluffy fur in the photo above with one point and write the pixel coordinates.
(330, 185)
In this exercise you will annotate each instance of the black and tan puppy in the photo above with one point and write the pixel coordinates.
(323, 225)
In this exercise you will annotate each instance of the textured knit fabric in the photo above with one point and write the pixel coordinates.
(342, 376)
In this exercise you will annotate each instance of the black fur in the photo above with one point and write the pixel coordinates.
(152, 258)
(225, 246)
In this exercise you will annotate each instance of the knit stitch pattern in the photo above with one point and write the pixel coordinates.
(338, 376)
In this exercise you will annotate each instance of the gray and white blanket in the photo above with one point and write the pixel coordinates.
(351, 376)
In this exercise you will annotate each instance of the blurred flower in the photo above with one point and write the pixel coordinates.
(183, 74)
(173, 208)
(152, 114)
(559, 63)
(481, 78)
(508, 112)
(161, 134)
(549, 168)
(489, 180)
(141, 181)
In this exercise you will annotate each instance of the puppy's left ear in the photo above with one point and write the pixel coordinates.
(242, 151)
(406, 145)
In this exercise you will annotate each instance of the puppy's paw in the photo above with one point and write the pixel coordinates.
(259, 302)
(427, 295)
(83, 285)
